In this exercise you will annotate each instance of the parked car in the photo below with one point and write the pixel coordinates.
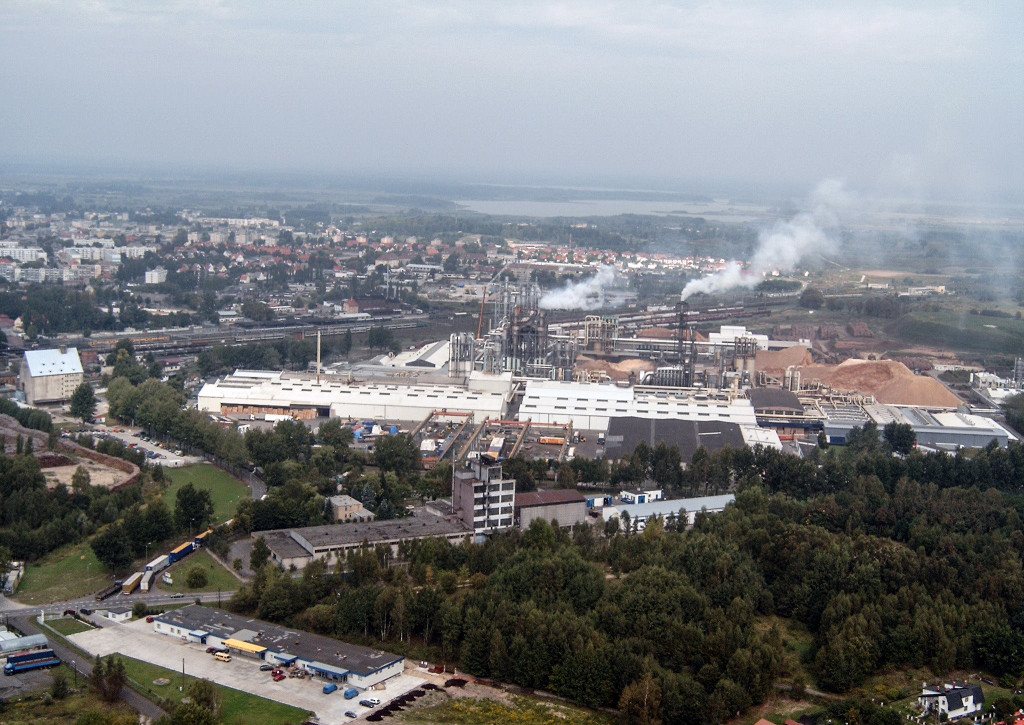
(214, 650)
(149, 620)
(266, 668)
(349, 713)
(85, 611)
(366, 703)
(374, 701)
(70, 612)
(276, 672)
(280, 676)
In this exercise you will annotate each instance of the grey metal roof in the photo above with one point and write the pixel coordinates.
(624, 434)
(53, 362)
(312, 647)
(774, 399)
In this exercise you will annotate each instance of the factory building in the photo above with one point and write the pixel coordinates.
(590, 406)
(566, 506)
(640, 513)
(297, 547)
(50, 376)
(304, 395)
(319, 656)
(625, 434)
(940, 429)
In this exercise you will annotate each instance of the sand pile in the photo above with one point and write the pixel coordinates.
(776, 361)
(615, 370)
(887, 380)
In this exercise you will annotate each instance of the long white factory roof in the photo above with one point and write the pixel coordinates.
(262, 388)
(590, 405)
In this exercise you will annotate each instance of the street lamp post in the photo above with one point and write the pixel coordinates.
(148, 544)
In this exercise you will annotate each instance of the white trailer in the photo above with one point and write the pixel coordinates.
(159, 563)
(147, 579)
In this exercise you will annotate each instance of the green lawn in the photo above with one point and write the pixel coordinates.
(70, 572)
(225, 489)
(68, 626)
(525, 711)
(960, 330)
(237, 707)
(217, 576)
(34, 709)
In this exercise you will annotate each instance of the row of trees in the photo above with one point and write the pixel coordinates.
(158, 407)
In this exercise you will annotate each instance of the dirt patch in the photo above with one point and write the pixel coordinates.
(888, 381)
(99, 475)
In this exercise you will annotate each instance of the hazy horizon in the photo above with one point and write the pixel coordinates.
(905, 100)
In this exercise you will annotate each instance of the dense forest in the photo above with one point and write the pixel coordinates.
(887, 560)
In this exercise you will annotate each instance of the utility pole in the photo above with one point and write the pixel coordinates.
(182, 688)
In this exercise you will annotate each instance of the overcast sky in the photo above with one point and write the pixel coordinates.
(906, 98)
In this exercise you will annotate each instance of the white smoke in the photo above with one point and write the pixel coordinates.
(783, 246)
(586, 294)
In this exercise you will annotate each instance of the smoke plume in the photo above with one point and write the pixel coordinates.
(586, 294)
(781, 247)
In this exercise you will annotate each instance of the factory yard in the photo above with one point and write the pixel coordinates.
(138, 640)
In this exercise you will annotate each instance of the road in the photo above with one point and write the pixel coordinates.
(24, 619)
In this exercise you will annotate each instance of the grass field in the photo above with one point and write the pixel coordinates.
(237, 707)
(523, 711)
(68, 626)
(217, 576)
(950, 329)
(67, 573)
(225, 490)
(33, 709)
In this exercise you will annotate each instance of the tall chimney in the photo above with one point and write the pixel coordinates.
(318, 357)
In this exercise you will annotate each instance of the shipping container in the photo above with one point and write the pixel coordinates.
(551, 441)
(158, 564)
(147, 580)
(131, 583)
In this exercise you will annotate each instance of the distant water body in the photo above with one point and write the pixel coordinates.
(719, 210)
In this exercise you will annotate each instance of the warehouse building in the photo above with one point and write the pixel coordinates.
(566, 506)
(50, 376)
(589, 406)
(641, 513)
(297, 547)
(402, 396)
(319, 656)
(940, 429)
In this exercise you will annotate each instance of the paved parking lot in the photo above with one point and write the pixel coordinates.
(138, 640)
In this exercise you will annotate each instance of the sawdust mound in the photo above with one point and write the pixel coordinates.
(615, 370)
(776, 361)
(888, 381)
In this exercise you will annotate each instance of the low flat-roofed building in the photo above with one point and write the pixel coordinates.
(320, 656)
(624, 434)
(942, 429)
(566, 506)
(346, 508)
(299, 546)
(641, 513)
